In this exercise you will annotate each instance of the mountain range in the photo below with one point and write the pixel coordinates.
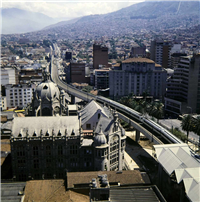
(16, 20)
(152, 16)
(146, 15)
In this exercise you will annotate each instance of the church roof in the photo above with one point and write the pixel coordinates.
(47, 89)
(90, 109)
(49, 125)
(100, 138)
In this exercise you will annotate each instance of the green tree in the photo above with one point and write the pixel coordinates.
(196, 126)
(186, 124)
(158, 110)
(127, 100)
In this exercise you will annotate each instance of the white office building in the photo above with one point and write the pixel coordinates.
(9, 76)
(19, 95)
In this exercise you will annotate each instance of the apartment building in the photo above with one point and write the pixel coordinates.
(183, 88)
(175, 59)
(77, 72)
(100, 55)
(9, 76)
(138, 75)
(3, 103)
(160, 52)
(138, 51)
(101, 78)
(19, 95)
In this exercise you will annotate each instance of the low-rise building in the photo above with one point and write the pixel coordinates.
(9, 76)
(45, 147)
(19, 95)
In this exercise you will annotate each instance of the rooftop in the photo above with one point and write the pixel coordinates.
(50, 125)
(130, 60)
(128, 177)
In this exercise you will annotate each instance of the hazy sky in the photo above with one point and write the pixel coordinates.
(69, 9)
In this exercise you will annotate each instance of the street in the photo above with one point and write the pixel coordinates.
(177, 124)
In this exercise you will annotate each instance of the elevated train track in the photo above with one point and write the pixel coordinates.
(149, 128)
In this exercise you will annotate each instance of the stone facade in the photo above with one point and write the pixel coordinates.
(47, 99)
(47, 147)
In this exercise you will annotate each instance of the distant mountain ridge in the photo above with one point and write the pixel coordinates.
(146, 15)
(16, 20)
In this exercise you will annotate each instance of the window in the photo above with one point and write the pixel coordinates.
(35, 151)
(60, 163)
(21, 163)
(48, 150)
(36, 163)
(88, 126)
(20, 151)
(73, 162)
(87, 162)
(48, 163)
(60, 150)
(73, 149)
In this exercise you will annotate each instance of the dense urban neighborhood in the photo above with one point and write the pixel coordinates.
(103, 107)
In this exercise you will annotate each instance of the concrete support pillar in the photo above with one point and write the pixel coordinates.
(120, 154)
(72, 99)
(40, 100)
(137, 136)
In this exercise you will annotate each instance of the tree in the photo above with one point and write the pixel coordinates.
(127, 100)
(158, 110)
(196, 126)
(186, 124)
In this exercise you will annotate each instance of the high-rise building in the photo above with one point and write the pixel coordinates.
(160, 52)
(100, 55)
(77, 72)
(68, 56)
(183, 88)
(101, 78)
(138, 51)
(175, 58)
(138, 75)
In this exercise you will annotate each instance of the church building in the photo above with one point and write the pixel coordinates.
(48, 145)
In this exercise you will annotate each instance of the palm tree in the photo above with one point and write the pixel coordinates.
(151, 108)
(157, 111)
(127, 100)
(196, 126)
(186, 124)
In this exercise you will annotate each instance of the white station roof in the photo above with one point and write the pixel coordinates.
(177, 157)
